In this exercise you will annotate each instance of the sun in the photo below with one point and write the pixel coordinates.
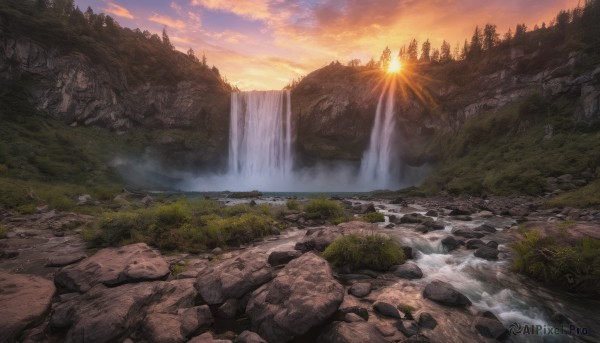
(394, 67)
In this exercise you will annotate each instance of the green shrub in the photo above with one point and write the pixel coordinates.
(373, 252)
(573, 267)
(374, 217)
(3, 231)
(293, 205)
(324, 209)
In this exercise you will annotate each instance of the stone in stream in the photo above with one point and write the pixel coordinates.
(492, 244)
(408, 270)
(432, 213)
(488, 325)
(24, 302)
(443, 293)
(386, 309)
(487, 253)
(234, 277)
(474, 244)
(303, 295)
(408, 327)
(430, 225)
(113, 266)
(449, 243)
(465, 233)
(249, 337)
(408, 252)
(460, 211)
(360, 289)
(463, 218)
(278, 258)
(485, 228)
(355, 332)
(427, 321)
(364, 208)
(413, 218)
(358, 310)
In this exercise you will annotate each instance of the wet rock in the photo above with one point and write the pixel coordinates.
(418, 338)
(64, 260)
(485, 228)
(228, 309)
(360, 289)
(386, 309)
(463, 218)
(474, 243)
(356, 332)
(408, 252)
(398, 201)
(353, 317)
(234, 277)
(249, 337)
(466, 233)
(518, 212)
(430, 225)
(485, 214)
(278, 258)
(24, 302)
(460, 211)
(408, 327)
(364, 208)
(492, 244)
(113, 266)
(303, 295)
(427, 321)
(488, 325)
(207, 337)
(413, 218)
(358, 310)
(431, 213)
(449, 243)
(443, 293)
(487, 253)
(8, 253)
(408, 270)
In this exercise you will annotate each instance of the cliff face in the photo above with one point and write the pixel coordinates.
(73, 89)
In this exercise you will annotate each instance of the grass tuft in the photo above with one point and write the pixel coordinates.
(372, 252)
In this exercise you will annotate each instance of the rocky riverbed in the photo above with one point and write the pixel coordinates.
(456, 287)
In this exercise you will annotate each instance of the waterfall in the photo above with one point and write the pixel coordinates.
(379, 167)
(260, 137)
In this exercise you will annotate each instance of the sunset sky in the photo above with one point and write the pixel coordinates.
(263, 44)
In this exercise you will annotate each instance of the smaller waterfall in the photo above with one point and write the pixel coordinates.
(260, 142)
(379, 167)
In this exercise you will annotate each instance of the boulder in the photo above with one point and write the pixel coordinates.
(355, 332)
(432, 213)
(207, 337)
(234, 277)
(64, 260)
(443, 293)
(408, 252)
(408, 270)
(320, 238)
(492, 244)
(278, 258)
(488, 325)
(364, 208)
(413, 218)
(358, 310)
(485, 228)
(353, 317)
(303, 295)
(418, 338)
(466, 233)
(386, 309)
(360, 289)
(449, 243)
(430, 225)
(113, 266)
(460, 211)
(228, 309)
(427, 321)
(408, 327)
(249, 337)
(474, 243)
(463, 218)
(24, 302)
(487, 253)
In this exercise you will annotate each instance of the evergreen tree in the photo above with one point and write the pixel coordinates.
(490, 37)
(412, 51)
(508, 35)
(425, 51)
(165, 39)
(204, 61)
(465, 51)
(445, 54)
(476, 44)
(435, 55)
(386, 58)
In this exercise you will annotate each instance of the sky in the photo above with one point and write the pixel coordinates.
(264, 44)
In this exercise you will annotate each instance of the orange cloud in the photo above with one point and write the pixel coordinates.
(168, 21)
(254, 9)
(118, 11)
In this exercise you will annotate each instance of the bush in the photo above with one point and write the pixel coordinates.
(374, 217)
(324, 209)
(575, 267)
(373, 252)
(3, 231)
(293, 205)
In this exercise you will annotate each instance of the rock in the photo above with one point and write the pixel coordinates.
(431, 213)
(8, 253)
(414, 218)
(518, 212)
(353, 317)
(278, 258)
(360, 289)
(84, 199)
(485, 214)
(234, 277)
(487, 253)
(249, 337)
(408, 270)
(488, 325)
(566, 178)
(460, 211)
(492, 244)
(228, 309)
(418, 338)
(386, 309)
(207, 337)
(24, 302)
(147, 200)
(216, 251)
(358, 310)
(427, 321)
(430, 225)
(162, 328)
(398, 201)
(107, 314)
(449, 243)
(356, 332)
(364, 208)
(303, 295)
(467, 233)
(320, 238)
(113, 266)
(474, 243)
(408, 327)
(463, 218)
(408, 252)
(63, 260)
(445, 294)
(485, 228)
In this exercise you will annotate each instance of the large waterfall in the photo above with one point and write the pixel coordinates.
(260, 137)
(379, 167)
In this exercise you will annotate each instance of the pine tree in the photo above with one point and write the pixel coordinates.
(386, 58)
(412, 51)
(165, 39)
(425, 51)
(445, 54)
(490, 37)
(465, 51)
(476, 44)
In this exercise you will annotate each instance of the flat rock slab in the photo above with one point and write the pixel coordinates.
(24, 302)
(303, 295)
(234, 277)
(355, 332)
(113, 266)
(64, 260)
(443, 293)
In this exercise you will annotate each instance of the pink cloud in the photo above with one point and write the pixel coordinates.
(118, 11)
(168, 21)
